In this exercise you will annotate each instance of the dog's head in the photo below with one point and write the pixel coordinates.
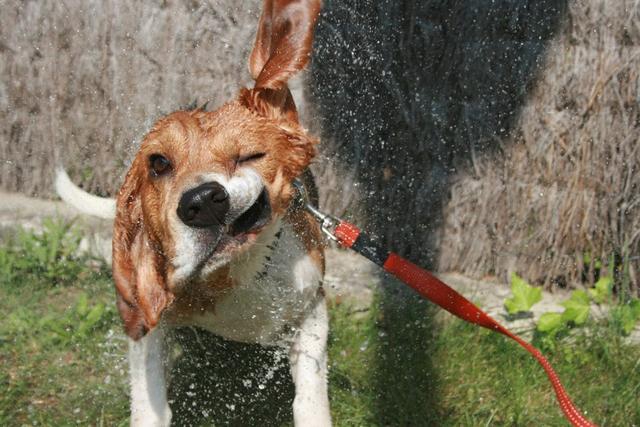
(204, 184)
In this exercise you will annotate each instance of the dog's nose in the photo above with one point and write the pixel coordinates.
(204, 206)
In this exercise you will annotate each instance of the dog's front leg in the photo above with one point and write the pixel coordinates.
(149, 406)
(309, 369)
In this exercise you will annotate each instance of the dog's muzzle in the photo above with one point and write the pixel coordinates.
(211, 206)
(253, 218)
(204, 206)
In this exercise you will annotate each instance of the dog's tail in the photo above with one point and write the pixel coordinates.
(101, 207)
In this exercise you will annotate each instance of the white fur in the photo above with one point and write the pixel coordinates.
(260, 310)
(245, 266)
(243, 188)
(192, 248)
(149, 406)
(308, 358)
(195, 246)
(87, 203)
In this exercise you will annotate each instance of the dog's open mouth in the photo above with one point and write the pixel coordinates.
(253, 218)
(245, 227)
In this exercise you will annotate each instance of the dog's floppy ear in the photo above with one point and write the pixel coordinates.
(283, 42)
(138, 266)
(282, 48)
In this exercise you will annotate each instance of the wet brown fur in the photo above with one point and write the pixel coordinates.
(262, 119)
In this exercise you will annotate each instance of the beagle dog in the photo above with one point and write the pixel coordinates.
(206, 234)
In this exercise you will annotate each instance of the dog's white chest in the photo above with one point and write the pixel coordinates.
(277, 281)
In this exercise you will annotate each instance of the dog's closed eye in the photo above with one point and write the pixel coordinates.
(246, 158)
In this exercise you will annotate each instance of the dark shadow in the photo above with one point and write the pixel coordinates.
(224, 383)
(405, 378)
(407, 92)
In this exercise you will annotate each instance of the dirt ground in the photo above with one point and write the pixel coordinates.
(348, 277)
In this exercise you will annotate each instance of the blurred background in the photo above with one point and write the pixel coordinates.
(486, 140)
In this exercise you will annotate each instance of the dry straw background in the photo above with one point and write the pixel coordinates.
(568, 180)
(501, 136)
(88, 77)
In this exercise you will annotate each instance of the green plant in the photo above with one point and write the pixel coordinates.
(60, 351)
(576, 308)
(550, 322)
(625, 316)
(623, 273)
(602, 290)
(586, 259)
(576, 313)
(50, 255)
(54, 371)
(524, 295)
(76, 322)
(8, 270)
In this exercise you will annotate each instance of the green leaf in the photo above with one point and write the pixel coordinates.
(550, 322)
(576, 308)
(92, 319)
(602, 289)
(634, 305)
(95, 314)
(524, 295)
(82, 305)
(627, 316)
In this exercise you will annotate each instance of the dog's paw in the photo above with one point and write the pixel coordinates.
(309, 412)
(151, 417)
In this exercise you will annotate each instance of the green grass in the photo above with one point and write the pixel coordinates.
(467, 376)
(62, 362)
(61, 351)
